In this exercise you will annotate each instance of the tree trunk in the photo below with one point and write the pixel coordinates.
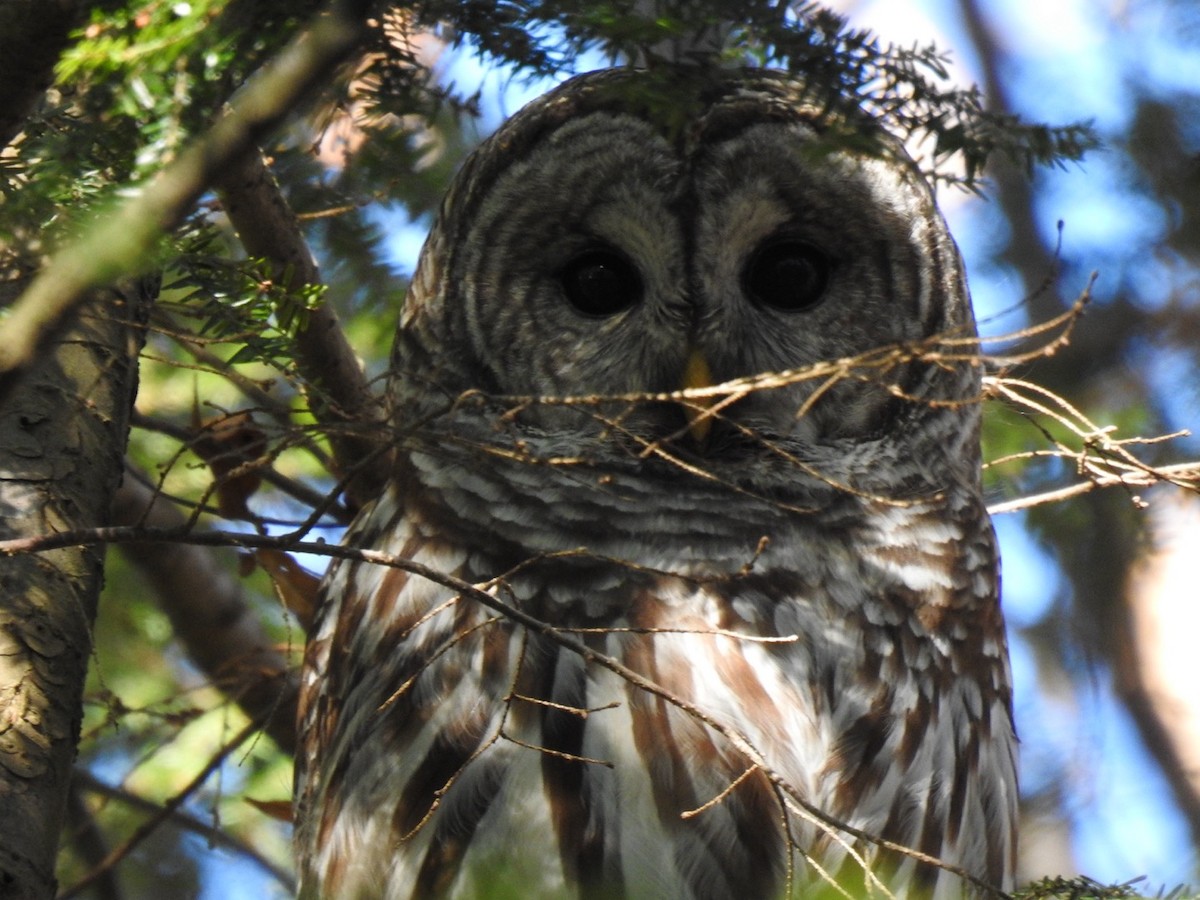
(63, 426)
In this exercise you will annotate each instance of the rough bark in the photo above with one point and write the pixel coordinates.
(63, 426)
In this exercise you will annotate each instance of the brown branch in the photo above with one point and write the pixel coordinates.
(739, 741)
(121, 242)
(1182, 475)
(338, 391)
(208, 610)
(297, 490)
(214, 836)
(479, 593)
(1101, 458)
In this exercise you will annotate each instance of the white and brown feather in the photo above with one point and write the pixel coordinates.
(449, 752)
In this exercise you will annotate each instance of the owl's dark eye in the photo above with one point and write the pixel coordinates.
(601, 283)
(787, 275)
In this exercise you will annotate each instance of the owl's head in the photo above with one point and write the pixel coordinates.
(605, 243)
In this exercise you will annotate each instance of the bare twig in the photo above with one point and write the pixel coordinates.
(1101, 458)
(215, 836)
(165, 812)
(1185, 475)
(297, 490)
(480, 594)
(208, 611)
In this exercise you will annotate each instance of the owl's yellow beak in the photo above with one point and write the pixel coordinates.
(696, 374)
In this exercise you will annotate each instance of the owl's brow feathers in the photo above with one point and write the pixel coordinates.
(683, 117)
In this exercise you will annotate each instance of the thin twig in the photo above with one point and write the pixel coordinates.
(465, 589)
(187, 822)
(168, 809)
(1185, 475)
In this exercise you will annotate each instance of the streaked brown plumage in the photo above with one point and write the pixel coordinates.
(600, 246)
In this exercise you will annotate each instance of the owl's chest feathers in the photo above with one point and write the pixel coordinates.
(621, 526)
(825, 648)
(646, 512)
(902, 593)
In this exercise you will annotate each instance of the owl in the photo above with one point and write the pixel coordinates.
(685, 387)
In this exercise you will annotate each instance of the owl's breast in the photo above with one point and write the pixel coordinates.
(685, 514)
(640, 738)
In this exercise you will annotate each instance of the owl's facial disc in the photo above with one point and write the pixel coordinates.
(595, 260)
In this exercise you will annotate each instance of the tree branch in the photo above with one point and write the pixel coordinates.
(165, 812)
(339, 394)
(788, 795)
(208, 611)
(214, 836)
(120, 243)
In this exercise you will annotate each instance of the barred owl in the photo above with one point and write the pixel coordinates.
(759, 646)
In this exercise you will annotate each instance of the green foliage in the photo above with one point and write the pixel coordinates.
(242, 302)
(846, 69)
(170, 65)
(146, 48)
(1083, 888)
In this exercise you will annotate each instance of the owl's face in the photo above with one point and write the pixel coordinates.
(590, 249)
